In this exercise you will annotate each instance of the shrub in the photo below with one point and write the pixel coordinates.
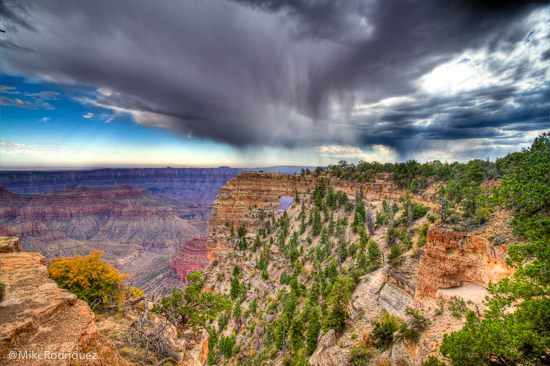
(422, 235)
(395, 254)
(89, 278)
(384, 328)
(457, 306)
(433, 361)
(360, 355)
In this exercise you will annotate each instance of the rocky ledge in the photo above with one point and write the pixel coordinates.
(38, 318)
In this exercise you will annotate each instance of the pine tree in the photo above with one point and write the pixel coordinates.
(235, 288)
(338, 303)
(395, 253)
(375, 254)
(296, 330)
(313, 329)
(361, 262)
(316, 226)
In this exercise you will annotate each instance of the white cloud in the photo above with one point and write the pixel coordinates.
(372, 153)
(45, 119)
(88, 115)
(15, 148)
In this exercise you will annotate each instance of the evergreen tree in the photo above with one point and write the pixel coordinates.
(338, 303)
(361, 261)
(316, 225)
(235, 288)
(313, 329)
(296, 330)
(375, 254)
(395, 253)
(281, 331)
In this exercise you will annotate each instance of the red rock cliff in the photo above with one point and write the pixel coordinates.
(453, 258)
(189, 257)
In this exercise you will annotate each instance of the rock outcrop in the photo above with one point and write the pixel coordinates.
(189, 257)
(328, 353)
(252, 197)
(38, 318)
(247, 200)
(453, 258)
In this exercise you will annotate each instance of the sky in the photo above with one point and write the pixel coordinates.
(248, 83)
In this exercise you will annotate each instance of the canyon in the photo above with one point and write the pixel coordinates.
(136, 230)
(160, 241)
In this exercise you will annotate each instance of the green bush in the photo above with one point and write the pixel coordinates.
(360, 355)
(457, 306)
(384, 328)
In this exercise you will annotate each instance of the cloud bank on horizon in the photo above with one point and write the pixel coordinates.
(357, 79)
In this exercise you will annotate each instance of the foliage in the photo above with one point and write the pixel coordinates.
(395, 254)
(296, 331)
(235, 287)
(89, 278)
(457, 306)
(433, 361)
(516, 327)
(196, 306)
(227, 345)
(338, 303)
(374, 254)
(241, 232)
(360, 355)
(384, 328)
(313, 329)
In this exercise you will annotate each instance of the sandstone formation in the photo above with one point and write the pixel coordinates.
(36, 316)
(453, 258)
(190, 256)
(252, 197)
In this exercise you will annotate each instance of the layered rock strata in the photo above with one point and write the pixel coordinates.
(189, 257)
(121, 214)
(251, 197)
(453, 258)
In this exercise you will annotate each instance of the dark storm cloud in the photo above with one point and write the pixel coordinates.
(271, 72)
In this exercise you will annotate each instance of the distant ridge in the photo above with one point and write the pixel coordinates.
(184, 184)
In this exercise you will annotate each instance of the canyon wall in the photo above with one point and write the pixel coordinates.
(248, 200)
(119, 214)
(455, 258)
(252, 197)
(190, 256)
